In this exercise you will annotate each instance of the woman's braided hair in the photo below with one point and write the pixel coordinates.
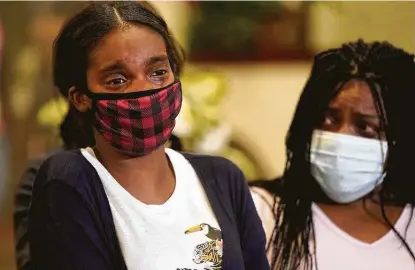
(390, 73)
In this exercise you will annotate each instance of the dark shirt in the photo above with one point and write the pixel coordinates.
(22, 201)
(23, 198)
(71, 225)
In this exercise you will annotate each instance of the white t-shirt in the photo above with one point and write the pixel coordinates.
(182, 233)
(335, 249)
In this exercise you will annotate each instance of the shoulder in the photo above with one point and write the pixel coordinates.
(34, 165)
(221, 176)
(66, 182)
(264, 201)
(218, 169)
(213, 163)
(23, 193)
(65, 167)
(273, 186)
(261, 196)
(264, 204)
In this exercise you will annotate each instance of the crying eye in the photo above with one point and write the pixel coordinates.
(328, 121)
(116, 81)
(159, 73)
(368, 129)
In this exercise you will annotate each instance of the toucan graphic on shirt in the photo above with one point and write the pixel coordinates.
(212, 250)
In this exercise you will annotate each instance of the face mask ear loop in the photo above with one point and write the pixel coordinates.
(381, 111)
(383, 157)
(317, 134)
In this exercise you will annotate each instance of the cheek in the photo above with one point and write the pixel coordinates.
(171, 77)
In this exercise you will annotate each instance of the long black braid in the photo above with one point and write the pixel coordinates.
(390, 73)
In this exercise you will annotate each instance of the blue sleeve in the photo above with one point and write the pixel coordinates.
(63, 230)
(251, 231)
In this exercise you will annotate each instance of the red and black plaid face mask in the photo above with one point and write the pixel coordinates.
(137, 123)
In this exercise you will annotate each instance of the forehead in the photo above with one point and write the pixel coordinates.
(130, 43)
(355, 94)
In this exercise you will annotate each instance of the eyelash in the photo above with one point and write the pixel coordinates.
(111, 82)
(365, 129)
(369, 131)
(115, 82)
(163, 71)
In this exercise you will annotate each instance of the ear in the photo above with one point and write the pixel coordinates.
(81, 101)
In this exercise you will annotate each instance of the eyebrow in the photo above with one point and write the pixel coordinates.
(156, 59)
(363, 115)
(118, 65)
(372, 116)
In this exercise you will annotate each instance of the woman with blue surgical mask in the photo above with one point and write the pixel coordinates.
(347, 195)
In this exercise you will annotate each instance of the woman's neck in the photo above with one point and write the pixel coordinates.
(148, 178)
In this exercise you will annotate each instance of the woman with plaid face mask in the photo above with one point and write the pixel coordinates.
(127, 202)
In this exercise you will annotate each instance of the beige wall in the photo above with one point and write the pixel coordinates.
(176, 15)
(332, 23)
(260, 104)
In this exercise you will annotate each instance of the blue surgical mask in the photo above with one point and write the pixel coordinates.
(346, 167)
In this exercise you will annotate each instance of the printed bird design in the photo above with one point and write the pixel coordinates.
(210, 251)
(209, 231)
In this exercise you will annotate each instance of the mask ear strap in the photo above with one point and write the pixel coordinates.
(89, 94)
(83, 89)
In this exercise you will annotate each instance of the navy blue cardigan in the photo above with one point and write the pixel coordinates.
(71, 226)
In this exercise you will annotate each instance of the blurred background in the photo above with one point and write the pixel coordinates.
(247, 64)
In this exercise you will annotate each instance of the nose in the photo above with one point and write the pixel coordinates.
(346, 128)
(141, 83)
